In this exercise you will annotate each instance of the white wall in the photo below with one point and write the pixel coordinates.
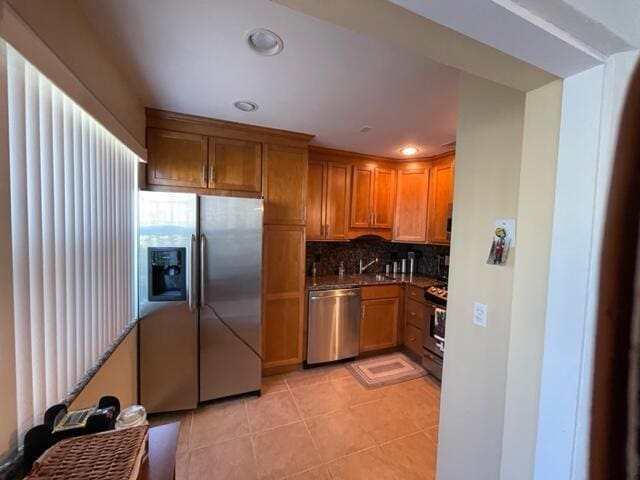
(490, 126)
(530, 281)
(591, 107)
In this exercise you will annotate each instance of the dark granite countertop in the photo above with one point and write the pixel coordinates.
(329, 282)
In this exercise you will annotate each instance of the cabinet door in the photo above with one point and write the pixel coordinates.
(316, 180)
(441, 201)
(413, 339)
(176, 159)
(283, 295)
(337, 201)
(361, 196)
(410, 222)
(235, 165)
(384, 195)
(285, 185)
(379, 324)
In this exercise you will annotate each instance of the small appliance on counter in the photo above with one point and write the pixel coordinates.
(434, 335)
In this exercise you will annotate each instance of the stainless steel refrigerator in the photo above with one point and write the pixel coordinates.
(200, 264)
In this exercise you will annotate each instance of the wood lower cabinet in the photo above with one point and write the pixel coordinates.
(413, 339)
(285, 185)
(176, 159)
(373, 197)
(328, 189)
(235, 165)
(282, 295)
(441, 200)
(415, 318)
(410, 223)
(380, 310)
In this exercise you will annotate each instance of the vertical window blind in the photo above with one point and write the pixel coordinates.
(73, 203)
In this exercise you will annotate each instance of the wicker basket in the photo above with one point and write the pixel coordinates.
(112, 455)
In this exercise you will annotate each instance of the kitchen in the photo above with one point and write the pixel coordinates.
(293, 248)
(285, 236)
(361, 276)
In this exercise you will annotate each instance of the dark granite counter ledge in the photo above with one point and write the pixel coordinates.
(329, 282)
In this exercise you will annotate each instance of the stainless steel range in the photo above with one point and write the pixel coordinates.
(434, 342)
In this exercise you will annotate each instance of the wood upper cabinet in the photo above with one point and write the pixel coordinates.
(316, 194)
(441, 200)
(283, 295)
(176, 159)
(235, 165)
(379, 321)
(410, 223)
(361, 195)
(372, 197)
(328, 200)
(384, 194)
(337, 201)
(285, 184)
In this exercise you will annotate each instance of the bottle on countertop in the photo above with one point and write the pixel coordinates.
(412, 262)
(314, 266)
(403, 265)
(341, 271)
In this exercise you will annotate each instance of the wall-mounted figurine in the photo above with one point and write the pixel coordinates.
(499, 247)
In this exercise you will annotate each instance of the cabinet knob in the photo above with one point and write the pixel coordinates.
(413, 314)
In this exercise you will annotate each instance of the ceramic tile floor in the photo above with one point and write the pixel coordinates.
(313, 424)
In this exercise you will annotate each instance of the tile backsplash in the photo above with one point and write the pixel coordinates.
(330, 254)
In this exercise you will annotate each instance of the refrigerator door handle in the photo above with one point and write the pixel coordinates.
(203, 247)
(192, 280)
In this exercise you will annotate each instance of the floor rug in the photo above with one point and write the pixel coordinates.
(385, 370)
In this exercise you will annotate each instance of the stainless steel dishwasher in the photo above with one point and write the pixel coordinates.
(334, 325)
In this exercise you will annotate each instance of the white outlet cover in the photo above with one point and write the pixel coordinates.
(480, 314)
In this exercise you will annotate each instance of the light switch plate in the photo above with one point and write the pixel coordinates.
(480, 314)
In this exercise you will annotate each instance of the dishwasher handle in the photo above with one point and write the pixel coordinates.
(322, 294)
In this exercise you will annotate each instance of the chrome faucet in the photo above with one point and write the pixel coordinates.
(364, 267)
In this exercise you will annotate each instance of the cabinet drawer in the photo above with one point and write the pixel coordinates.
(415, 293)
(379, 291)
(413, 339)
(415, 314)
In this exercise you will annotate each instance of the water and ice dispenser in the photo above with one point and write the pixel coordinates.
(167, 274)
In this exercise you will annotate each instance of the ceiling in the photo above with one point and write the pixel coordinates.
(553, 35)
(190, 56)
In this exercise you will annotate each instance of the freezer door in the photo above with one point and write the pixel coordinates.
(167, 300)
(230, 296)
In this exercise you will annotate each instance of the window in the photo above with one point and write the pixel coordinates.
(73, 202)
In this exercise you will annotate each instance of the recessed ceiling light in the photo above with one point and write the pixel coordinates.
(409, 151)
(365, 129)
(264, 42)
(246, 105)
